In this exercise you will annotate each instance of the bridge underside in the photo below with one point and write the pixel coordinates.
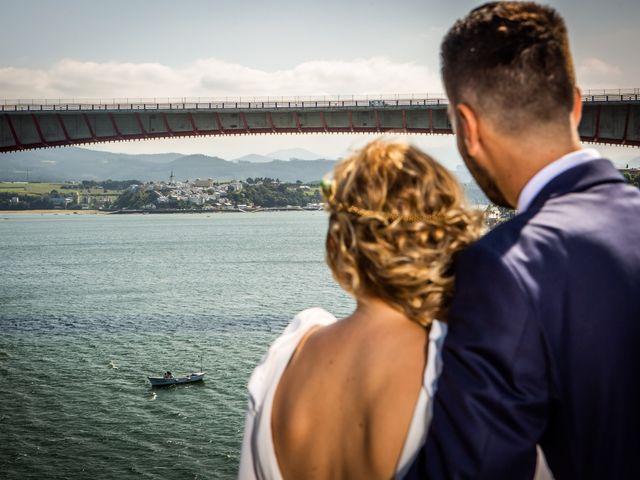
(616, 124)
(604, 122)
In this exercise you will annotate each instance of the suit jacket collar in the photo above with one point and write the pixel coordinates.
(576, 179)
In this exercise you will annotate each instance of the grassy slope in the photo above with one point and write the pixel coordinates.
(42, 188)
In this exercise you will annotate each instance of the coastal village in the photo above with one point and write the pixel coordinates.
(208, 195)
(205, 193)
(164, 196)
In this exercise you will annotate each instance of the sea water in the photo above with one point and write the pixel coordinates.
(90, 305)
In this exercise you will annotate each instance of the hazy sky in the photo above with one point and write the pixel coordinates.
(159, 48)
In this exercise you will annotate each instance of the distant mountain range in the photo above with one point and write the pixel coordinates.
(288, 154)
(73, 163)
(294, 154)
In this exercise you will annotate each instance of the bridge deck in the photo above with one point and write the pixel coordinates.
(611, 117)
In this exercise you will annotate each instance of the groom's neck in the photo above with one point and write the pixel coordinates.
(517, 159)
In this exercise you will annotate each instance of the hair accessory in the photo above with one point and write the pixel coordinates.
(387, 216)
(328, 187)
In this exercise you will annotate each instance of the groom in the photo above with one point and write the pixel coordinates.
(544, 329)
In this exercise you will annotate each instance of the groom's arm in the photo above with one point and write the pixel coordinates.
(491, 401)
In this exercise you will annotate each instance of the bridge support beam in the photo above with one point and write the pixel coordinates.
(16, 140)
(29, 128)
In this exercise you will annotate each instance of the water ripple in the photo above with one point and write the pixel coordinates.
(90, 306)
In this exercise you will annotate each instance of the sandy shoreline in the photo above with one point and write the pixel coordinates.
(52, 212)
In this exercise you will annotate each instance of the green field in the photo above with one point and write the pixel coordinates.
(36, 188)
(29, 188)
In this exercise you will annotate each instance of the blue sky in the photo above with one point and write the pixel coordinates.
(155, 48)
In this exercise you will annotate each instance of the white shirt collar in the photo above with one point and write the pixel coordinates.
(535, 185)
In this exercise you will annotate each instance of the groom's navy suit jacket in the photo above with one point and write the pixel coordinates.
(544, 341)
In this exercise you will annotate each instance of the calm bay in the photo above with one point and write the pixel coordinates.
(92, 304)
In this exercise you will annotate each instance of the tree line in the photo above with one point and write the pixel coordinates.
(275, 195)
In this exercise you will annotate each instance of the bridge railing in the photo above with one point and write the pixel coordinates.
(268, 102)
(196, 103)
(611, 91)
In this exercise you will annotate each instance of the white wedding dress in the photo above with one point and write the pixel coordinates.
(258, 459)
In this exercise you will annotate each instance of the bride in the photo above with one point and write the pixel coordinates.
(351, 398)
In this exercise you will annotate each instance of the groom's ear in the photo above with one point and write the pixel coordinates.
(576, 114)
(467, 121)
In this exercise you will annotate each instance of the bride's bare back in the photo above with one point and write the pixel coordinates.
(345, 402)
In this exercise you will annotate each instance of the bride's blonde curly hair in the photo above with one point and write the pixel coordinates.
(397, 220)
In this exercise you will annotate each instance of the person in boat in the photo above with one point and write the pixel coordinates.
(351, 398)
(168, 375)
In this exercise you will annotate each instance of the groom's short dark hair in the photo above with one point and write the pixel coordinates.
(511, 61)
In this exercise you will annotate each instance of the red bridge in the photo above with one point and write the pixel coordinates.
(609, 117)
